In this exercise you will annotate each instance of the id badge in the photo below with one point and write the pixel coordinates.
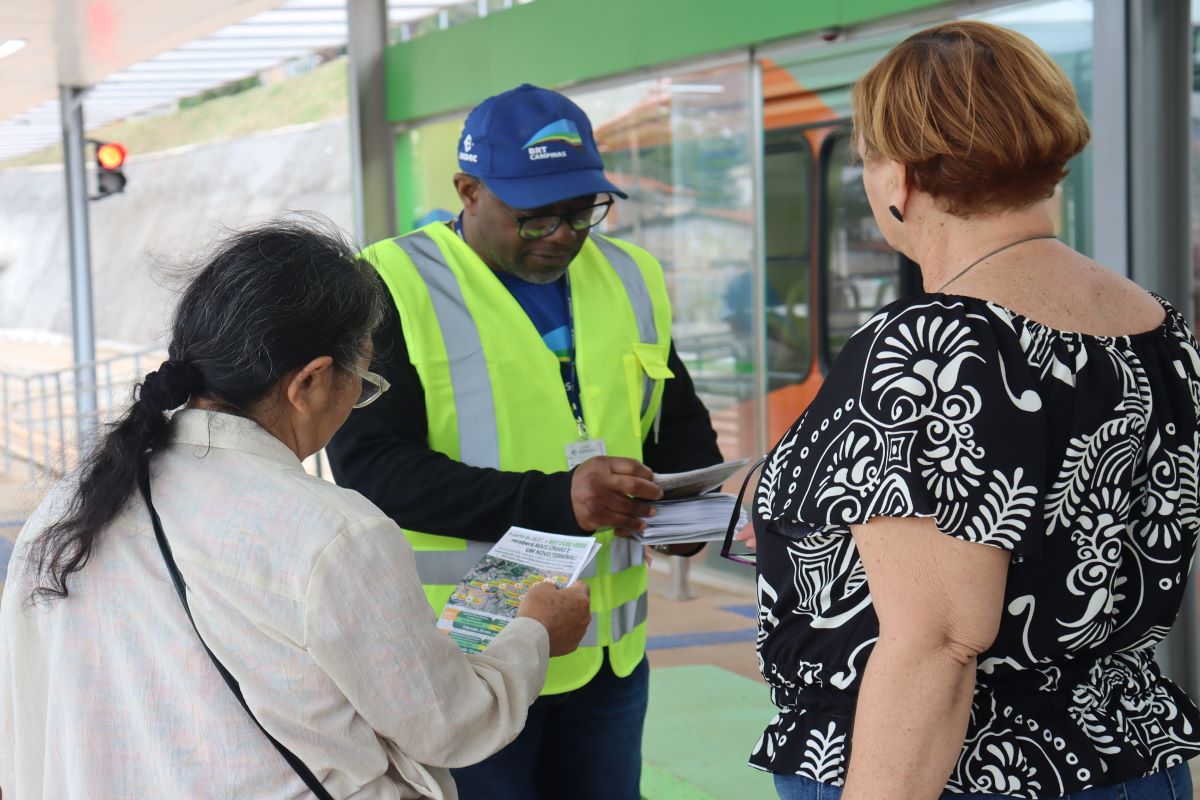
(580, 451)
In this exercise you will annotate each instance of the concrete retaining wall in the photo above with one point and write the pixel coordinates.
(175, 205)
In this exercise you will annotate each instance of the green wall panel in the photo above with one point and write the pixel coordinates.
(426, 160)
(553, 42)
(407, 186)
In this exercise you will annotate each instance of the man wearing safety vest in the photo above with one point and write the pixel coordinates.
(533, 383)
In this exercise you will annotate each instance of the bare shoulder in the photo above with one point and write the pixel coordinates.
(1075, 293)
(1115, 305)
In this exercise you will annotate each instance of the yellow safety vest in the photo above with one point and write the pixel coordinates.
(494, 397)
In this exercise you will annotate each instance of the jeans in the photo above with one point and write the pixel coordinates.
(585, 744)
(1173, 783)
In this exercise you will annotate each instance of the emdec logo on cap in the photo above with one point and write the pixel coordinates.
(564, 130)
(466, 154)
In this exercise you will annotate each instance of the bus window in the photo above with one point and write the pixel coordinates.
(860, 272)
(787, 189)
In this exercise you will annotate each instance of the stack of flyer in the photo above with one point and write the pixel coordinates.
(487, 597)
(688, 511)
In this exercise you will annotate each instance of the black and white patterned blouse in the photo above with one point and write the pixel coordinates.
(1076, 453)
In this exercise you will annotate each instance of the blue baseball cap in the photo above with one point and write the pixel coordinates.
(532, 147)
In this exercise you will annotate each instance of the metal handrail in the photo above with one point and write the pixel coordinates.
(39, 414)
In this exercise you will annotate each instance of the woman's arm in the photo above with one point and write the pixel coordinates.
(939, 602)
(369, 625)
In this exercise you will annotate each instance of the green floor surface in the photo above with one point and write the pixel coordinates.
(702, 724)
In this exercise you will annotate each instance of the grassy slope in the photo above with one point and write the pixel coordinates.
(314, 96)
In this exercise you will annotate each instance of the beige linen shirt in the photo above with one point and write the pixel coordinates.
(309, 596)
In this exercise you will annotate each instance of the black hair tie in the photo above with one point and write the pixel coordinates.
(170, 385)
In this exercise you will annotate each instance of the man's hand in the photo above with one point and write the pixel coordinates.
(611, 492)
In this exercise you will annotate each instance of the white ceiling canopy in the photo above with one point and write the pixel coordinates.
(138, 55)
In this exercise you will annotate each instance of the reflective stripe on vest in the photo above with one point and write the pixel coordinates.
(590, 637)
(625, 553)
(447, 567)
(639, 297)
(625, 618)
(628, 616)
(478, 444)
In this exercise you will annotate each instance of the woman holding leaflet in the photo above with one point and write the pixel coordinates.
(199, 531)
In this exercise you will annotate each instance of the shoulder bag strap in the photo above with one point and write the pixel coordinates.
(305, 774)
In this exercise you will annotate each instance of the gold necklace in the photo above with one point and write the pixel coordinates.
(983, 258)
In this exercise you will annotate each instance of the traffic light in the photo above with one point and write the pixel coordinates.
(110, 157)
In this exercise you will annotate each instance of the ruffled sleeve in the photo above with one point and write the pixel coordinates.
(931, 410)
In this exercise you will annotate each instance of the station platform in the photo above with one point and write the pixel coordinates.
(708, 704)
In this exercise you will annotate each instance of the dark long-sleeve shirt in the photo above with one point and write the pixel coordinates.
(383, 452)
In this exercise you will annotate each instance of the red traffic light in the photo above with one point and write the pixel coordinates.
(110, 155)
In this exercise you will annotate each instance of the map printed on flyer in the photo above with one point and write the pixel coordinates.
(487, 597)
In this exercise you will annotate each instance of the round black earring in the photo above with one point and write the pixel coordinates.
(896, 213)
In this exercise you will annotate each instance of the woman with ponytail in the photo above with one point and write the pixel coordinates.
(190, 614)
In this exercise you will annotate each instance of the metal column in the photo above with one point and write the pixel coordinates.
(70, 100)
(1158, 97)
(371, 141)
(1160, 93)
(758, 259)
(1110, 138)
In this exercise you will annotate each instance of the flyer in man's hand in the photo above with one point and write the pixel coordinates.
(687, 513)
(487, 597)
(697, 481)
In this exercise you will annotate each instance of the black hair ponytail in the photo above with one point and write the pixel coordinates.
(268, 301)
